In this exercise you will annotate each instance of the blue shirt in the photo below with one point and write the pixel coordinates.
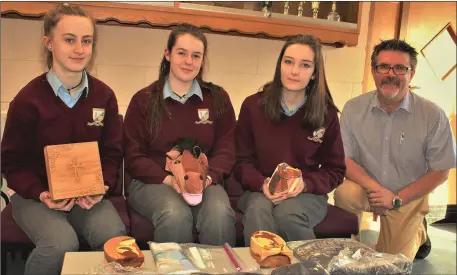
(397, 149)
(62, 92)
(194, 90)
(294, 110)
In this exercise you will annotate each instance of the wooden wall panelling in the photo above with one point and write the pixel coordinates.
(218, 22)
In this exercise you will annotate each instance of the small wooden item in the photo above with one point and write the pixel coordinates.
(269, 250)
(123, 250)
(74, 170)
(284, 178)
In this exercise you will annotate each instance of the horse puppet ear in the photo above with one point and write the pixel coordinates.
(197, 151)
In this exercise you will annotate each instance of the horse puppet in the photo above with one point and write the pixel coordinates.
(189, 165)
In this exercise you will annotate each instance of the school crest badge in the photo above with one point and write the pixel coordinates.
(318, 135)
(98, 114)
(203, 116)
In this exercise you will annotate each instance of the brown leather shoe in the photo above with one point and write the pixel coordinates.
(426, 247)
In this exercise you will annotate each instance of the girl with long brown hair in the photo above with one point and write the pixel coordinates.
(181, 105)
(292, 120)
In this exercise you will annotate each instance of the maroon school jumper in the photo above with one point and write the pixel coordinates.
(262, 145)
(145, 157)
(37, 118)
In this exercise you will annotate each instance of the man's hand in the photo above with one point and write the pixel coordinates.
(64, 205)
(171, 181)
(380, 197)
(300, 186)
(88, 202)
(379, 211)
(277, 197)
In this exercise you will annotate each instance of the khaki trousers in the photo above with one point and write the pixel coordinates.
(402, 231)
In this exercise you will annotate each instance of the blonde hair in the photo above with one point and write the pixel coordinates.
(50, 22)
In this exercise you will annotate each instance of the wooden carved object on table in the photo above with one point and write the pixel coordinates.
(123, 250)
(74, 170)
(269, 250)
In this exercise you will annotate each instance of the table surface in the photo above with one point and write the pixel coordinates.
(81, 262)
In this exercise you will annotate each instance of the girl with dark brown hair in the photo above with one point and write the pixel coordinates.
(180, 104)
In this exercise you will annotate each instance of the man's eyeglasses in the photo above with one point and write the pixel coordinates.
(398, 69)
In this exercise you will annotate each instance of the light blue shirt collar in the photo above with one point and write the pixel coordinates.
(194, 90)
(56, 84)
(405, 104)
(294, 110)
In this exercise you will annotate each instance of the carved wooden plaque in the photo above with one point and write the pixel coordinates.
(74, 170)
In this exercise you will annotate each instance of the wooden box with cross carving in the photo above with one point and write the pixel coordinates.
(74, 170)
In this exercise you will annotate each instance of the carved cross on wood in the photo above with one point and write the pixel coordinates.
(75, 164)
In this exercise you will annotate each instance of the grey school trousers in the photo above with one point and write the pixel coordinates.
(293, 219)
(55, 232)
(174, 220)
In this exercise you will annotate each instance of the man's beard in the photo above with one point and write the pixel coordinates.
(391, 80)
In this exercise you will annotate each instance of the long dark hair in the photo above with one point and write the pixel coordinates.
(50, 22)
(156, 105)
(318, 97)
